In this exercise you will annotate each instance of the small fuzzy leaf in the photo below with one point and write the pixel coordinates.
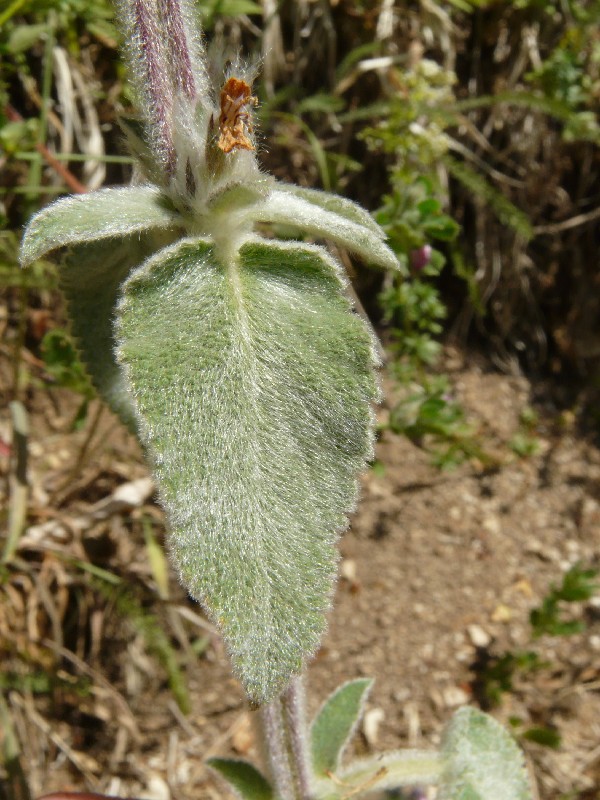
(337, 205)
(91, 276)
(253, 382)
(285, 208)
(335, 723)
(481, 760)
(98, 215)
(245, 780)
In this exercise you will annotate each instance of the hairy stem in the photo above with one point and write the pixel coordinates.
(181, 61)
(276, 751)
(147, 31)
(285, 741)
(294, 712)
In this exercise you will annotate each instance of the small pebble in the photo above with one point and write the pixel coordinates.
(348, 570)
(501, 613)
(371, 722)
(478, 636)
(455, 696)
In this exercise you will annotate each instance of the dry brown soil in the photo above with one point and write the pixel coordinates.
(439, 573)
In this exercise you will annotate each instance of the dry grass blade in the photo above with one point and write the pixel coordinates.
(83, 762)
(126, 715)
(17, 511)
(79, 118)
(14, 787)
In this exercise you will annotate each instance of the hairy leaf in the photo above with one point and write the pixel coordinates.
(336, 204)
(98, 215)
(91, 276)
(482, 760)
(335, 723)
(235, 196)
(284, 207)
(245, 779)
(253, 382)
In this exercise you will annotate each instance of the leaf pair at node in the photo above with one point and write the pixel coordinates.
(478, 760)
(240, 363)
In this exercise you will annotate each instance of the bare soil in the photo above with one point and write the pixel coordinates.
(439, 572)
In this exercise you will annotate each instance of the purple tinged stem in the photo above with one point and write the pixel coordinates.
(181, 64)
(285, 740)
(147, 29)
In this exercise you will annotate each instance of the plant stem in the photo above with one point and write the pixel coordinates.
(181, 63)
(276, 753)
(294, 712)
(285, 740)
(149, 38)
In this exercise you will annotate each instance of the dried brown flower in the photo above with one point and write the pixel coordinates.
(234, 121)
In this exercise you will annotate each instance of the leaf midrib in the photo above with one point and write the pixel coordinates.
(251, 399)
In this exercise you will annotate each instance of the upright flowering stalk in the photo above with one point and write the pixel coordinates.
(236, 357)
(166, 61)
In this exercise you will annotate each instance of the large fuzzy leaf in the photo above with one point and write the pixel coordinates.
(481, 760)
(316, 219)
(98, 215)
(253, 382)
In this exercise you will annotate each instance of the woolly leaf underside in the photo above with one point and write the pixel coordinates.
(91, 275)
(107, 234)
(105, 214)
(245, 779)
(253, 381)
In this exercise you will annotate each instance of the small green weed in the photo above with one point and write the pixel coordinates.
(578, 586)
(432, 419)
(496, 675)
(412, 216)
(525, 442)
(524, 445)
(63, 368)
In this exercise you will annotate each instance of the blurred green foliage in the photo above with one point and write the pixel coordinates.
(62, 364)
(525, 442)
(496, 674)
(578, 586)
